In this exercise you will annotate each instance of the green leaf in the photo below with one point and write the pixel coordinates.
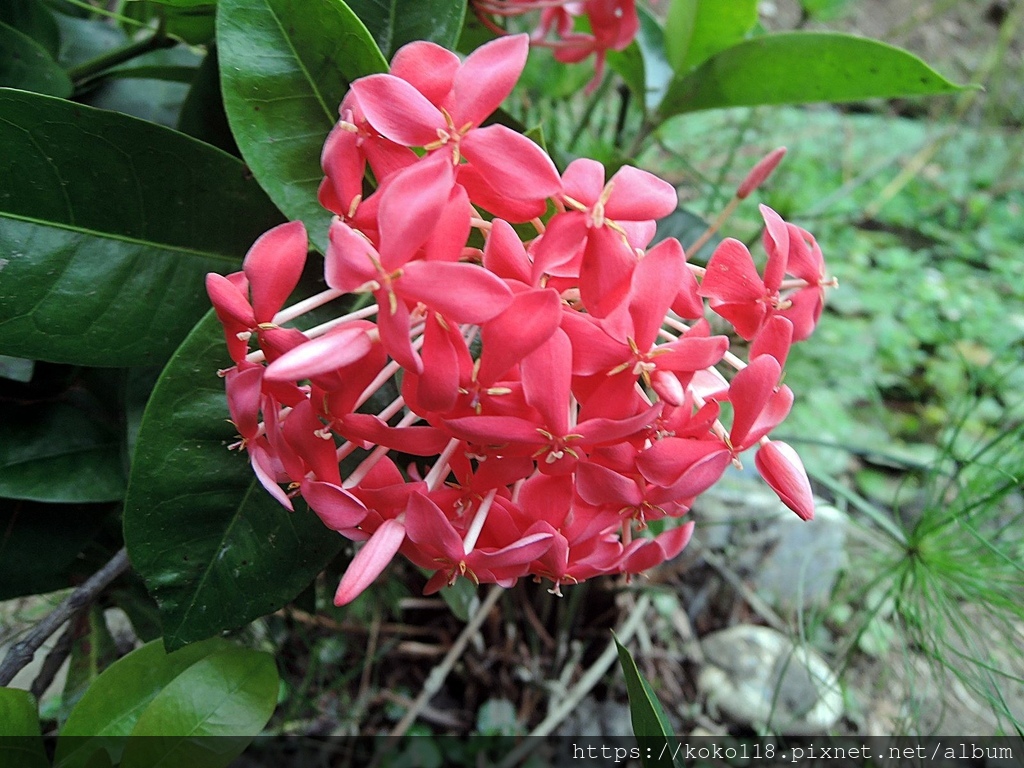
(21, 741)
(697, 29)
(202, 114)
(216, 551)
(58, 453)
(40, 543)
(285, 67)
(393, 23)
(92, 651)
(105, 243)
(799, 67)
(231, 693)
(644, 64)
(34, 19)
(112, 706)
(25, 64)
(650, 724)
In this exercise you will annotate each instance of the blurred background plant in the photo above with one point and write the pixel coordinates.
(910, 418)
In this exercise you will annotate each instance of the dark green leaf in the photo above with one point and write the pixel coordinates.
(25, 64)
(393, 23)
(40, 543)
(697, 29)
(202, 114)
(285, 66)
(215, 549)
(92, 281)
(35, 20)
(650, 724)
(231, 693)
(112, 706)
(686, 227)
(800, 67)
(58, 453)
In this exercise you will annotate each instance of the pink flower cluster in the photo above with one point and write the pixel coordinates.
(561, 386)
(613, 25)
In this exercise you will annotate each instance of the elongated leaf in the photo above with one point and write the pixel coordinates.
(644, 64)
(800, 67)
(58, 453)
(216, 551)
(202, 114)
(285, 67)
(650, 724)
(112, 706)
(393, 23)
(231, 693)
(25, 64)
(35, 20)
(21, 741)
(104, 240)
(698, 29)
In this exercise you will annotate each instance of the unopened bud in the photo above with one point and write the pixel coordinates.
(760, 172)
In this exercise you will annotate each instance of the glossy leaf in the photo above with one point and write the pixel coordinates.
(697, 29)
(25, 64)
(644, 64)
(112, 706)
(58, 453)
(21, 741)
(686, 227)
(800, 67)
(35, 20)
(650, 724)
(90, 282)
(40, 543)
(92, 651)
(216, 551)
(202, 114)
(231, 693)
(285, 66)
(393, 23)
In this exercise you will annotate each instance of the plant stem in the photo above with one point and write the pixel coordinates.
(88, 70)
(21, 653)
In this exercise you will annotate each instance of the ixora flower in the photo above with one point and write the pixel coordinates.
(551, 394)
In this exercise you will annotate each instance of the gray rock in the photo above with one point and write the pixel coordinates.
(756, 676)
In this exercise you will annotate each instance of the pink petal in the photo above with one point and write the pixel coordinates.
(597, 431)
(687, 303)
(487, 78)
(731, 276)
(760, 172)
(668, 460)
(274, 265)
(397, 110)
(607, 269)
(263, 468)
(342, 346)
(370, 561)
(495, 430)
(583, 180)
(419, 441)
(638, 195)
(428, 67)
(429, 528)
(464, 293)
(438, 388)
(243, 389)
(781, 468)
(410, 206)
(512, 163)
(337, 508)
(230, 304)
(547, 376)
(599, 485)
(776, 245)
(668, 387)
(563, 239)
(775, 339)
(349, 260)
(451, 230)
(644, 554)
(344, 166)
(394, 328)
(654, 285)
(484, 195)
(691, 354)
(805, 259)
(807, 304)
(759, 403)
(504, 254)
(528, 321)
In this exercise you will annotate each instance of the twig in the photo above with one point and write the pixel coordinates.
(21, 653)
(590, 678)
(54, 661)
(439, 674)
